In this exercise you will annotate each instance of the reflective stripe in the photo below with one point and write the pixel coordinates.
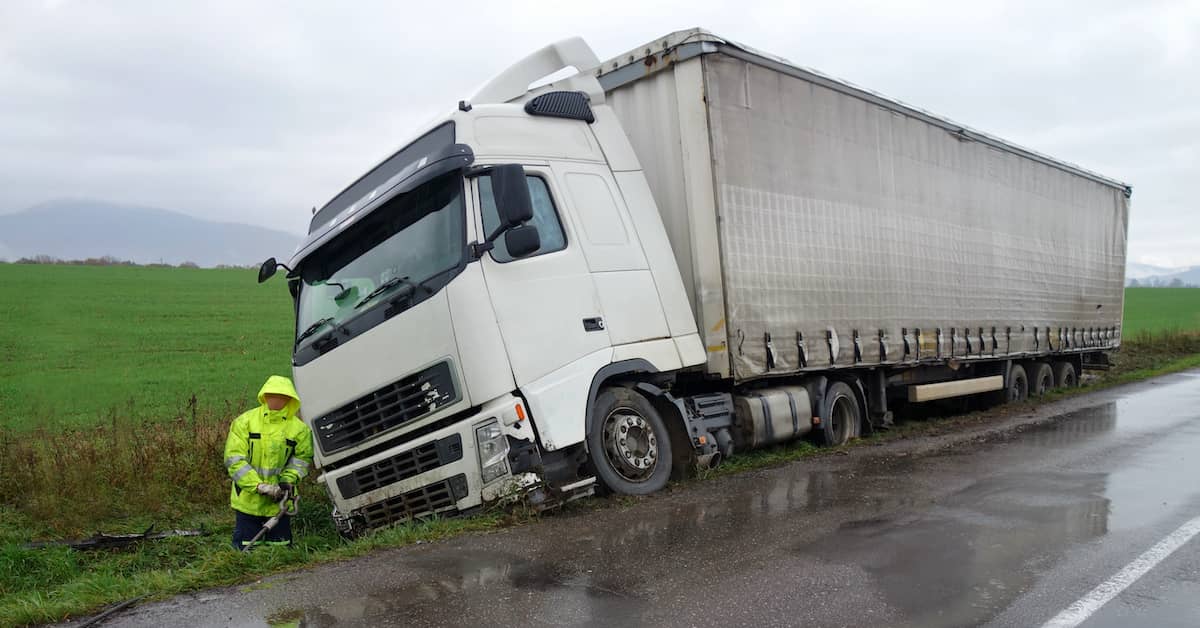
(241, 473)
(275, 543)
(297, 463)
(267, 472)
(232, 460)
(300, 473)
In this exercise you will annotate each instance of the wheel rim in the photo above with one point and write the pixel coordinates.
(841, 415)
(1019, 389)
(630, 445)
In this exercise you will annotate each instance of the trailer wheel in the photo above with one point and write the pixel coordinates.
(1064, 375)
(1041, 380)
(841, 414)
(628, 443)
(1018, 384)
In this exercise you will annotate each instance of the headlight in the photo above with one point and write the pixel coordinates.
(493, 451)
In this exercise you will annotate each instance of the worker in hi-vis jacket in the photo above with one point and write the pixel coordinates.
(269, 450)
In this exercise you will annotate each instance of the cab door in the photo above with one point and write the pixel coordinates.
(624, 284)
(546, 302)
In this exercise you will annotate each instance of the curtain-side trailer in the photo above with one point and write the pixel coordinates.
(689, 250)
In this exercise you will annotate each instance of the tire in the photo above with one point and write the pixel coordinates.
(628, 443)
(1064, 375)
(841, 415)
(1018, 384)
(1041, 378)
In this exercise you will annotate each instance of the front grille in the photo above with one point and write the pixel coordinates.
(436, 497)
(402, 466)
(393, 405)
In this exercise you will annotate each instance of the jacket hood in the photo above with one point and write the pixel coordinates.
(281, 385)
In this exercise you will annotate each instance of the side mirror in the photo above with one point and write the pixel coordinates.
(267, 270)
(512, 195)
(522, 240)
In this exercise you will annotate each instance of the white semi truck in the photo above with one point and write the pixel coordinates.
(690, 250)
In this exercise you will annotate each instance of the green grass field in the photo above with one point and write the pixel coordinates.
(79, 342)
(1161, 309)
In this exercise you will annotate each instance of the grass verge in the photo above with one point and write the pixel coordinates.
(122, 477)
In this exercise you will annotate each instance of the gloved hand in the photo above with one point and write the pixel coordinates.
(270, 490)
(286, 488)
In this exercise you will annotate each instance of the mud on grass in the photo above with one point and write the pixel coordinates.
(53, 584)
(123, 477)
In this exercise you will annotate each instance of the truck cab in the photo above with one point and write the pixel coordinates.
(455, 305)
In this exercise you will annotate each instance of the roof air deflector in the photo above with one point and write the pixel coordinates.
(514, 82)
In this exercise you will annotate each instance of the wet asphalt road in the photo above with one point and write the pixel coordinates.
(1005, 529)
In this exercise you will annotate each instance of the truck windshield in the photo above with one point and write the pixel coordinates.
(407, 247)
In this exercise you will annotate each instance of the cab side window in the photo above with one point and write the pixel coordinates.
(545, 218)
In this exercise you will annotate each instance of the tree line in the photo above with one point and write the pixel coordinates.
(1159, 283)
(109, 260)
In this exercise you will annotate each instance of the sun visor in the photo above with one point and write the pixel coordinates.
(445, 160)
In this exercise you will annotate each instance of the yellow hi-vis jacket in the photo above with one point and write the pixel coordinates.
(264, 445)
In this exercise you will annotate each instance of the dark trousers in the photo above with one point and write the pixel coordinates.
(246, 526)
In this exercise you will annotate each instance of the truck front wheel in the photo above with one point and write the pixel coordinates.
(628, 443)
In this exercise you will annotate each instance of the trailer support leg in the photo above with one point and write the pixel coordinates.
(877, 409)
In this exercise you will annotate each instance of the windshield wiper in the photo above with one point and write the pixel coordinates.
(312, 329)
(396, 281)
(384, 287)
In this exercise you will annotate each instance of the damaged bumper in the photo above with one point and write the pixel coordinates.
(446, 472)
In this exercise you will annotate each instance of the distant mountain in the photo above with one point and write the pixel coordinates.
(1134, 270)
(83, 228)
(1186, 276)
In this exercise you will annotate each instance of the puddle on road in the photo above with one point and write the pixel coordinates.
(969, 555)
(470, 583)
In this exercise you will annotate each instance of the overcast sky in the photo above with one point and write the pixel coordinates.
(256, 111)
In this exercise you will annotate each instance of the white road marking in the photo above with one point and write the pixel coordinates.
(1078, 612)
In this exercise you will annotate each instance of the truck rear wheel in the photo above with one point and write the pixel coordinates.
(1018, 383)
(1041, 378)
(841, 414)
(1064, 375)
(628, 443)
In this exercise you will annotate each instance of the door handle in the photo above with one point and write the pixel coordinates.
(593, 324)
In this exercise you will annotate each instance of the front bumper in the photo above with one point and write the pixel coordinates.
(437, 473)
